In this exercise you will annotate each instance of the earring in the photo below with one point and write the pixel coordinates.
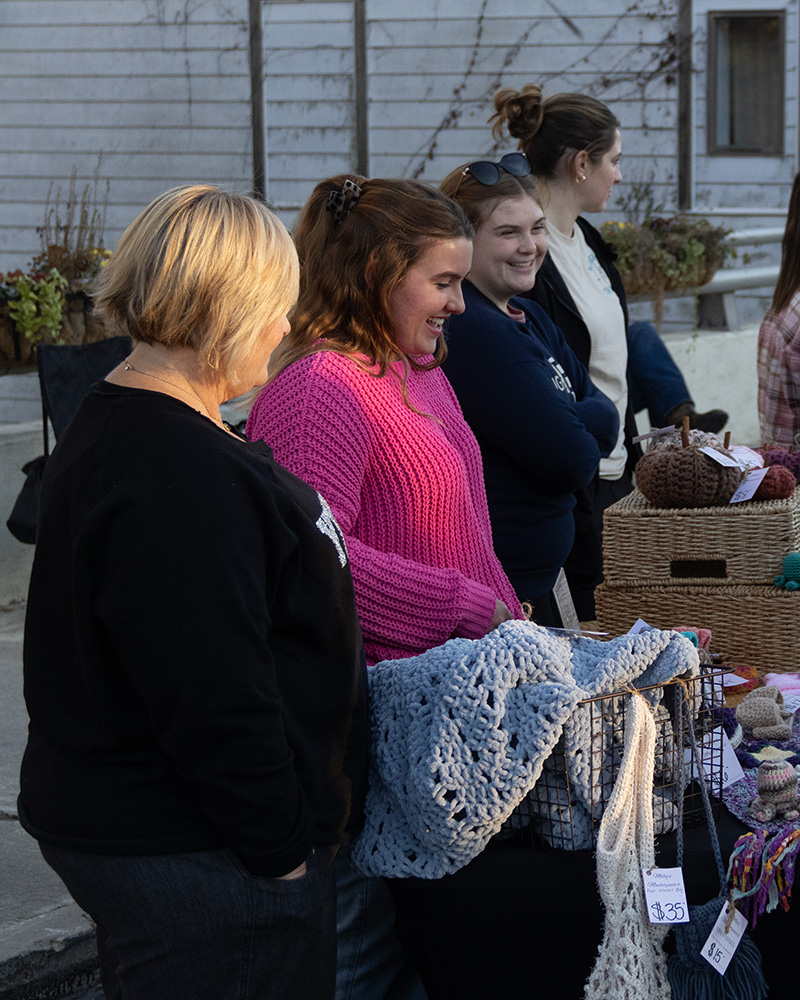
(580, 178)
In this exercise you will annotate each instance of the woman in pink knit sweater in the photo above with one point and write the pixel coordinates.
(359, 407)
(361, 410)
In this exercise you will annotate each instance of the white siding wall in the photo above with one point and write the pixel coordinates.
(309, 94)
(433, 67)
(151, 93)
(147, 94)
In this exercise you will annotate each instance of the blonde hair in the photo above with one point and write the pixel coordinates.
(550, 128)
(386, 229)
(203, 269)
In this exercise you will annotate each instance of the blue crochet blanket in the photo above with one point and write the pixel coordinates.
(460, 734)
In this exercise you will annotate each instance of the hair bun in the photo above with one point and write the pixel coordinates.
(519, 111)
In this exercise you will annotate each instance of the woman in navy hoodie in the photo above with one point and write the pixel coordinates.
(541, 424)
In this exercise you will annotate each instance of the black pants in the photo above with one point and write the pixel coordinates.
(584, 565)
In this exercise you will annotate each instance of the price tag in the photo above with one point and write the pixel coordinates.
(665, 895)
(791, 702)
(638, 626)
(726, 460)
(713, 750)
(723, 941)
(563, 598)
(713, 688)
(733, 680)
(654, 432)
(748, 485)
(746, 457)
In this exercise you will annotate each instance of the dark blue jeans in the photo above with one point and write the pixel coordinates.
(199, 926)
(655, 380)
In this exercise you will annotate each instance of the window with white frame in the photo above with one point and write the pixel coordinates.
(746, 82)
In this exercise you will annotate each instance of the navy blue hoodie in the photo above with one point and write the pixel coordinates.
(542, 426)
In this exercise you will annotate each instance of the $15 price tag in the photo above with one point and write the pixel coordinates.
(665, 896)
(723, 941)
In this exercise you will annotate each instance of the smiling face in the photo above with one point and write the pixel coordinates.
(601, 178)
(429, 292)
(510, 245)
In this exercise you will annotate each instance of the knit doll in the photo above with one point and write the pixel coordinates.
(777, 792)
(763, 712)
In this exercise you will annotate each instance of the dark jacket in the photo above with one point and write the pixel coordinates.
(542, 427)
(552, 295)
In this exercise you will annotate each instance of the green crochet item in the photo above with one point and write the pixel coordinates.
(790, 578)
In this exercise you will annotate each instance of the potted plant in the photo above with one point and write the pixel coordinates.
(664, 255)
(51, 302)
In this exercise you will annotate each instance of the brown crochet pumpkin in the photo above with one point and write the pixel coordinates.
(685, 477)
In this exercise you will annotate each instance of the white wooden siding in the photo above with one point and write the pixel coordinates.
(146, 94)
(433, 68)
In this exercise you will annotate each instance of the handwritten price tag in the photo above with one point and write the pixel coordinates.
(721, 943)
(665, 895)
(732, 680)
(637, 627)
(748, 485)
(726, 460)
(746, 457)
(718, 759)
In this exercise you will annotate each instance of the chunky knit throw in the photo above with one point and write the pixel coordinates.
(460, 734)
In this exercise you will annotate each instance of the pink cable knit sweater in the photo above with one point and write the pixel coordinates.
(406, 489)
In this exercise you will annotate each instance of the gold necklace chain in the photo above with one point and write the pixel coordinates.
(188, 391)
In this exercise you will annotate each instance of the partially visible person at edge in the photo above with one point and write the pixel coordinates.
(574, 148)
(194, 669)
(359, 407)
(779, 343)
(541, 424)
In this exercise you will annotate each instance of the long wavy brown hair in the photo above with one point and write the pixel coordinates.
(789, 275)
(350, 268)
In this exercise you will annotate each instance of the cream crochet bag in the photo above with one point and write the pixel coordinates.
(631, 964)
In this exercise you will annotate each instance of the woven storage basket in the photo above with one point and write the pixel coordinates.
(758, 626)
(741, 543)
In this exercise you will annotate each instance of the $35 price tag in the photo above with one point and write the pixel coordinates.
(665, 895)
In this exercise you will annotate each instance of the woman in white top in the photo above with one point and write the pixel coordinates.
(574, 147)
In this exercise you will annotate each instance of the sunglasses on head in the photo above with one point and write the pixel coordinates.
(486, 172)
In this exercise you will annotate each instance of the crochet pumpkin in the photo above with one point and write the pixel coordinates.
(778, 484)
(683, 476)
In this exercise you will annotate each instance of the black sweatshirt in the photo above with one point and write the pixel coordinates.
(193, 664)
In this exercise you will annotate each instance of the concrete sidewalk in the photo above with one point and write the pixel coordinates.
(46, 943)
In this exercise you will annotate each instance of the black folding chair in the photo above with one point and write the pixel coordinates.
(66, 374)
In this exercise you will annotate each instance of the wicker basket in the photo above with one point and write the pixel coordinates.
(742, 543)
(758, 626)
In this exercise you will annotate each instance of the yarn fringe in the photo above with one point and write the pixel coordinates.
(761, 871)
(743, 979)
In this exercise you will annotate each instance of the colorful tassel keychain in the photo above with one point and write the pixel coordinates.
(691, 977)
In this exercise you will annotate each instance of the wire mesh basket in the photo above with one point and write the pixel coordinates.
(565, 806)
